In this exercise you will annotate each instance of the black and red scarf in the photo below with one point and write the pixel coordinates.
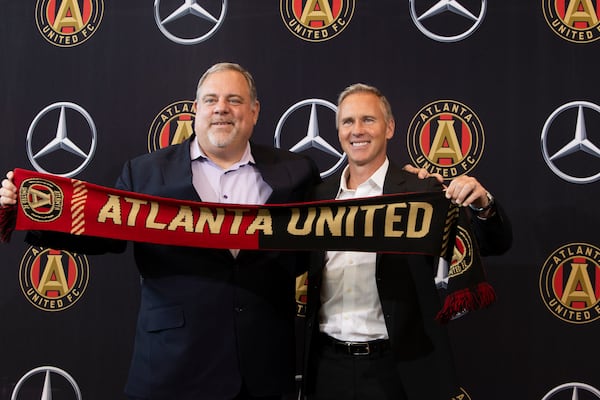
(408, 223)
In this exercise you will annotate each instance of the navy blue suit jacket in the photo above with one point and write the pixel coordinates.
(208, 321)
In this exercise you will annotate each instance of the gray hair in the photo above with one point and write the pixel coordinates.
(363, 88)
(226, 66)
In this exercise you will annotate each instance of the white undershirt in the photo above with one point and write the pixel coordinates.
(350, 305)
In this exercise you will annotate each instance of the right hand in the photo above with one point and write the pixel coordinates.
(422, 173)
(8, 191)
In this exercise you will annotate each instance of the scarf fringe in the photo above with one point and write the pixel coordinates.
(463, 301)
(8, 220)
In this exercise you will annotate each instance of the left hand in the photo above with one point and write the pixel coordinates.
(465, 190)
(462, 190)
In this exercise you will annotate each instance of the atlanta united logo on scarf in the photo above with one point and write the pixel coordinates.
(409, 223)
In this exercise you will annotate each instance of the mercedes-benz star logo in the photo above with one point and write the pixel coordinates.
(312, 138)
(47, 388)
(452, 6)
(575, 386)
(579, 142)
(191, 8)
(61, 141)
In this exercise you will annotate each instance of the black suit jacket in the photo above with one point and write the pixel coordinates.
(408, 295)
(208, 321)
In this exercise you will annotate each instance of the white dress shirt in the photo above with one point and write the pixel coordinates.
(350, 306)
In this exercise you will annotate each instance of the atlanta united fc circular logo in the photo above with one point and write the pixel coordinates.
(570, 283)
(41, 200)
(53, 280)
(577, 21)
(463, 395)
(316, 20)
(173, 125)
(462, 258)
(445, 137)
(68, 23)
(301, 293)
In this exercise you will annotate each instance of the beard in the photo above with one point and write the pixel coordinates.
(221, 139)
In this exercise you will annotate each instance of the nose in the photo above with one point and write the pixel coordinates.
(221, 106)
(357, 128)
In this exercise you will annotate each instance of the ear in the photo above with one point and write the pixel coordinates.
(390, 129)
(256, 110)
(195, 106)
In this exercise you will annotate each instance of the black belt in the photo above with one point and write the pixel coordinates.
(355, 348)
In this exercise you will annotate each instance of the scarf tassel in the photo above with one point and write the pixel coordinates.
(8, 220)
(461, 302)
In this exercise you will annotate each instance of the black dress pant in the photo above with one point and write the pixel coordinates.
(344, 376)
(242, 395)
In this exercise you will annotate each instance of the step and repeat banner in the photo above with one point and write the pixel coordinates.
(506, 91)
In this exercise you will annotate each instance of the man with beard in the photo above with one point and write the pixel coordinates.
(213, 324)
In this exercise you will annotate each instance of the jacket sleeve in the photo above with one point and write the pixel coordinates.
(494, 234)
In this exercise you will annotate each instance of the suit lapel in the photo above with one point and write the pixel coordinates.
(274, 172)
(177, 173)
(394, 183)
(328, 190)
(177, 177)
(394, 180)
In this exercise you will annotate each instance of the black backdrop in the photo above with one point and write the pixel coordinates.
(513, 72)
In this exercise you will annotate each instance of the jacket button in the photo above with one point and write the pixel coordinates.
(239, 309)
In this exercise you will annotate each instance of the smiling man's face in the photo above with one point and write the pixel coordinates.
(363, 129)
(225, 113)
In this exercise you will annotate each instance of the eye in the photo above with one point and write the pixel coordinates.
(209, 100)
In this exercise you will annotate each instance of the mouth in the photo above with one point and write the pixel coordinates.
(221, 123)
(359, 143)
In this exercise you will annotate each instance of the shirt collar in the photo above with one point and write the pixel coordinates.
(196, 154)
(376, 180)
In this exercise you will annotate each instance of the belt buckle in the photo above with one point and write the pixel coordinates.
(359, 349)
